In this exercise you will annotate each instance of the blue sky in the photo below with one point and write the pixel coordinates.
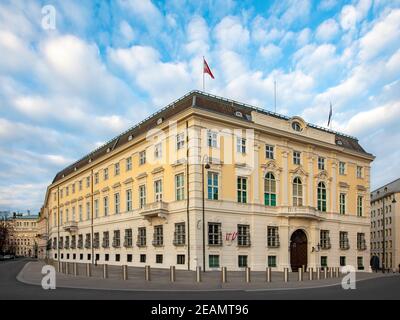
(108, 64)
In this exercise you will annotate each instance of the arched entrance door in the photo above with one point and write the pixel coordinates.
(298, 250)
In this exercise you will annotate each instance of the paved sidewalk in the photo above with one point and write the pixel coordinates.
(185, 280)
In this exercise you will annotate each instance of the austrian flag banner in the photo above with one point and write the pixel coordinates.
(206, 69)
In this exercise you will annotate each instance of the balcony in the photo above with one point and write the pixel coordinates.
(300, 212)
(155, 209)
(71, 226)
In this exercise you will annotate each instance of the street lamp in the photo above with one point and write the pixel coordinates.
(384, 234)
(206, 166)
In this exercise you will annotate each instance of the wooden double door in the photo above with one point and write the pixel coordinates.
(298, 250)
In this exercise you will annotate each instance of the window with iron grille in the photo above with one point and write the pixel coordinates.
(96, 240)
(179, 235)
(214, 234)
(243, 235)
(158, 238)
(128, 238)
(344, 240)
(117, 239)
(273, 237)
(325, 240)
(73, 242)
(361, 242)
(87, 241)
(106, 239)
(80, 241)
(141, 241)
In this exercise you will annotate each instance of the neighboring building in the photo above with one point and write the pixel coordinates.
(385, 224)
(24, 234)
(43, 235)
(278, 192)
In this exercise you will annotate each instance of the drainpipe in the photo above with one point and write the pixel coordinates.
(187, 194)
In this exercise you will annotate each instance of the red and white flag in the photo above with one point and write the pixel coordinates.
(206, 68)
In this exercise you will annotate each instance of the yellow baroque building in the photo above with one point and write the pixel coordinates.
(212, 182)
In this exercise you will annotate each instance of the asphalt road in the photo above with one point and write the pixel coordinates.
(386, 288)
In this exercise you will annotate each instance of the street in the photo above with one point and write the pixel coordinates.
(381, 288)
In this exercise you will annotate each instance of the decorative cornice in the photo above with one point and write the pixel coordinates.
(116, 185)
(157, 170)
(129, 180)
(141, 176)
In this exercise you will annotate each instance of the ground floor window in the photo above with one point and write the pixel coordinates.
(360, 263)
(213, 261)
(89, 257)
(242, 261)
(129, 258)
(342, 261)
(180, 259)
(62, 255)
(97, 257)
(55, 256)
(324, 261)
(159, 258)
(107, 257)
(74, 256)
(142, 258)
(271, 261)
(117, 257)
(67, 256)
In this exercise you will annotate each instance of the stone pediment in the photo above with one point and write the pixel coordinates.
(344, 185)
(322, 175)
(361, 188)
(299, 171)
(271, 166)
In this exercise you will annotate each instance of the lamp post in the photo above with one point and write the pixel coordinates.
(384, 234)
(206, 166)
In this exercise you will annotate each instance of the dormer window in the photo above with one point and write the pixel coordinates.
(339, 142)
(238, 114)
(130, 137)
(296, 126)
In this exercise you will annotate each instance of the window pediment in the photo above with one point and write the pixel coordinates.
(271, 166)
(299, 171)
(322, 175)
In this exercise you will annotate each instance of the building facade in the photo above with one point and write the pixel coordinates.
(211, 182)
(24, 235)
(385, 225)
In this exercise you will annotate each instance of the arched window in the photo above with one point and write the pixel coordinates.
(269, 190)
(321, 196)
(297, 192)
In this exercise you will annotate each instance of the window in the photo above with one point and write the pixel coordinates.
(96, 207)
(269, 190)
(73, 187)
(61, 218)
(105, 173)
(242, 261)
(321, 197)
(67, 191)
(273, 237)
(296, 157)
(342, 203)
(159, 258)
(324, 261)
(106, 239)
(179, 187)
(105, 202)
(269, 152)
(272, 261)
(342, 261)
(106, 257)
(117, 239)
(213, 261)
(180, 259)
(360, 263)
(296, 126)
(180, 141)
(243, 235)
(96, 178)
(117, 257)
(361, 242)
(212, 139)
(73, 214)
(158, 191)
(87, 182)
(214, 234)
(242, 190)
(80, 241)
(342, 168)
(297, 192)
(241, 145)
(141, 241)
(325, 240)
(129, 200)
(80, 185)
(87, 241)
(359, 172)
(179, 235)
(142, 196)
(359, 206)
(80, 212)
(128, 164)
(344, 240)
(129, 258)
(158, 238)
(116, 169)
(143, 258)
(321, 163)
(128, 238)
(158, 151)
(96, 241)
(66, 215)
(116, 203)
(142, 157)
(212, 183)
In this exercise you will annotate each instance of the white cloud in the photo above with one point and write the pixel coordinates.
(126, 31)
(144, 10)
(348, 17)
(327, 30)
(327, 5)
(271, 52)
(231, 34)
(197, 36)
